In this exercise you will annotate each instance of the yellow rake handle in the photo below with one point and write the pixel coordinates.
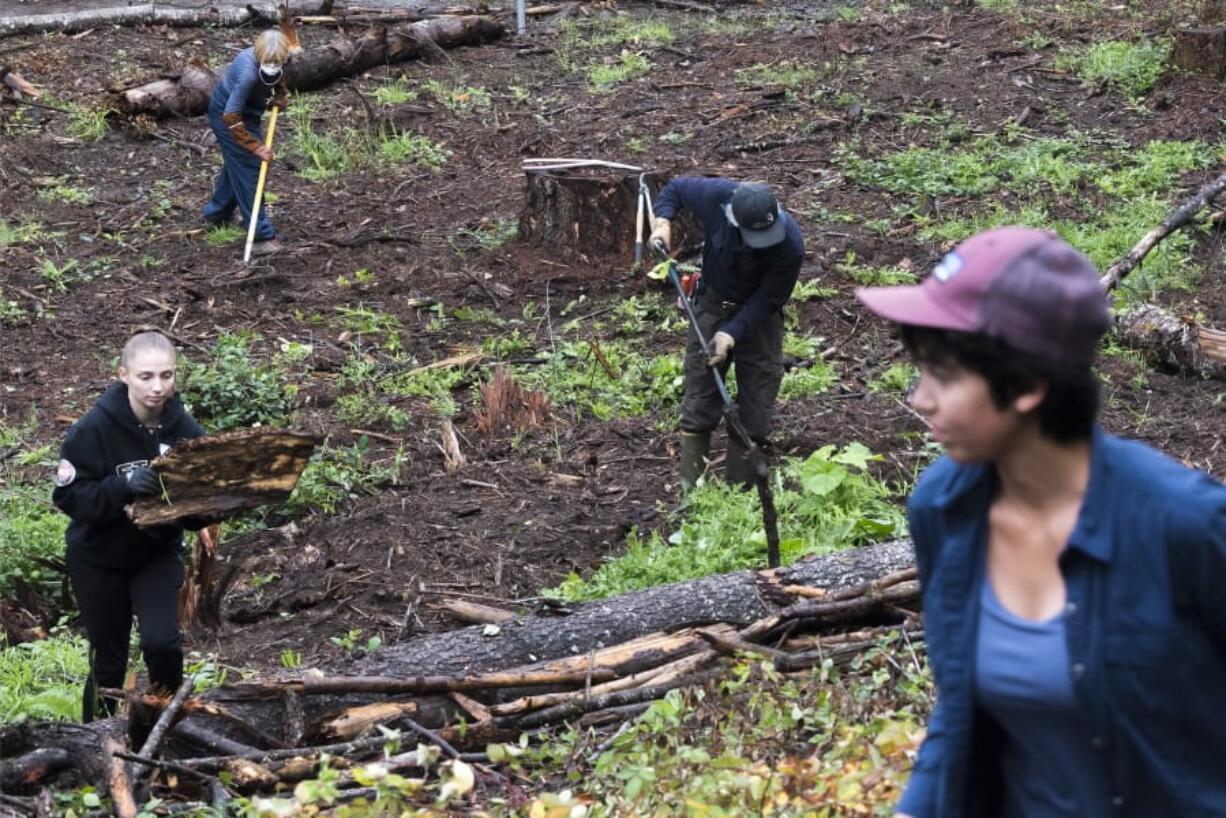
(259, 188)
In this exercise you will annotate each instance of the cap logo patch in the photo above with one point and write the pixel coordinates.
(767, 220)
(65, 473)
(948, 267)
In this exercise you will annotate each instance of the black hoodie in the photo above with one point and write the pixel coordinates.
(91, 482)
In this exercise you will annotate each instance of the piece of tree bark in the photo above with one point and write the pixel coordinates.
(220, 475)
(255, 11)
(188, 93)
(1201, 50)
(582, 211)
(28, 772)
(474, 612)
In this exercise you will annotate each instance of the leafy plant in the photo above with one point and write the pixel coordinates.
(25, 231)
(89, 123)
(873, 276)
(363, 321)
(897, 378)
(224, 234)
(42, 680)
(336, 475)
(61, 191)
(825, 502)
(233, 388)
(413, 149)
(31, 533)
(790, 74)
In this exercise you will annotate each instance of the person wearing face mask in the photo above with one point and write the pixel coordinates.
(118, 570)
(252, 82)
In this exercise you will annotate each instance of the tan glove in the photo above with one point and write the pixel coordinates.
(721, 345)
(240, 133)
(662, 232)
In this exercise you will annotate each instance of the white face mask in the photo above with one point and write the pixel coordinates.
(270, 73)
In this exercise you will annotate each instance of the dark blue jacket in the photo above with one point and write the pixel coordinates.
(1145, 570)
(241, 90)
(760, 280)
(101, 448)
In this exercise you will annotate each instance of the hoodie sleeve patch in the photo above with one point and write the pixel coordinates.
(65, 473)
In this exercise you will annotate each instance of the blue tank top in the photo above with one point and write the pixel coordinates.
(1023, 680)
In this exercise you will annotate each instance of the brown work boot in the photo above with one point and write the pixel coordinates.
(267, 247)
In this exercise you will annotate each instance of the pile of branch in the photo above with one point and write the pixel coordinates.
(188, 93)
(258, 736)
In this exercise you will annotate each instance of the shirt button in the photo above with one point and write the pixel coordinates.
(1098, 742)
(1079, 670)
(1117, 801)
(1070, 608)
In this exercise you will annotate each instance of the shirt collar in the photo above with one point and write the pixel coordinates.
(978, 483)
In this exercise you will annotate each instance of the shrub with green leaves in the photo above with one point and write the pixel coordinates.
(639, 384)
(31, 528)
(42, 680)
(335, 476)
(826, 502)
(235, 388)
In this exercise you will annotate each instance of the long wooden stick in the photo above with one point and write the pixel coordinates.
(259, 188)
(434, 684)
(1178, 218)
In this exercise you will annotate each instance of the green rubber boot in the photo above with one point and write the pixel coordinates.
(738, 470)
(695, 446)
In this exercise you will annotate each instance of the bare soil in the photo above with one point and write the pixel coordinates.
(507, 525)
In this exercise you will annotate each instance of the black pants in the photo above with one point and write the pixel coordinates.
(758, 358)
(108, 598)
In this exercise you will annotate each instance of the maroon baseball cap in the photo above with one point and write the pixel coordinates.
(1027, 287)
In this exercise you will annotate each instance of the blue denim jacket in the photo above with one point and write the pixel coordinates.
(1145, 570)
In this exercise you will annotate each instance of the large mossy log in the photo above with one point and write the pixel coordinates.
(187, 94)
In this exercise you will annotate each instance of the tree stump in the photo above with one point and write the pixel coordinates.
(1202, 50)
(583, 212)
(1173, 341)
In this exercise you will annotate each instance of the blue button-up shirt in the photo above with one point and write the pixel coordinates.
(760, 280)
(1145, 573)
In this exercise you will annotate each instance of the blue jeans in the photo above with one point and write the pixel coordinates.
(240, 172)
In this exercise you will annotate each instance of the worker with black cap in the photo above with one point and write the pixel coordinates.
(751, 258)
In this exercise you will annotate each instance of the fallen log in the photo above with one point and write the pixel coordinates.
(257, 11)
(609, 656)
(28, 772)
(187, 94)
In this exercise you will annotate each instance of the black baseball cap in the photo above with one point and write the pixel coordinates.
(756, 212)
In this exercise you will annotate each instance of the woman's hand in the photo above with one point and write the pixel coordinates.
(264, 152)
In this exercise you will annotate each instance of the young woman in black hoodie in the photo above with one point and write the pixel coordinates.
(117, 569)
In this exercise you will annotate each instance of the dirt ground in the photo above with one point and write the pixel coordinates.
(506, 525)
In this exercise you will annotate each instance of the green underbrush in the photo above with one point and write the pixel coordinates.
(235, 387)
(826, 502)
(42, 679)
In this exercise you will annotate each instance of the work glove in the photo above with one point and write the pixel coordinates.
(721, 345)
(280, 101)
(144, 482)
(662, 233)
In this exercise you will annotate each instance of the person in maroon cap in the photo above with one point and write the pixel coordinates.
(1071, 580)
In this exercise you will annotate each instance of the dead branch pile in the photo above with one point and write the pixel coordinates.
(258, 736)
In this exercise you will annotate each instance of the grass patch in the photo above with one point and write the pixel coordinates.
(897, 378)
(628, 65)
(873, 276)
(826, 502)
(61, 191)
(345, 149)
(460, 100)
(89, 124)
(24, 231)
(394, 92)
(790, 74)
(42, 680)
(1130, 69)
